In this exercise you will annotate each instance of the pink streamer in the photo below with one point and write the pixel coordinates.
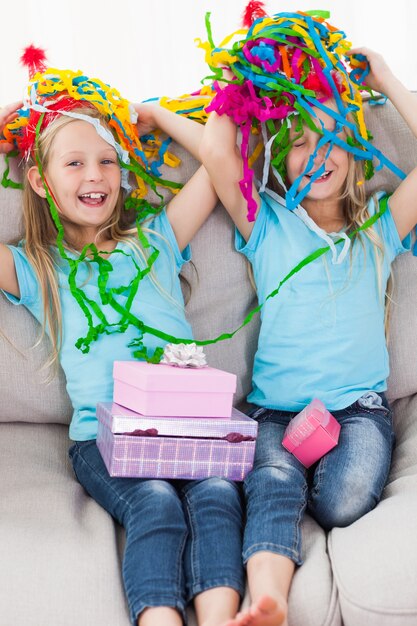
(241, 104)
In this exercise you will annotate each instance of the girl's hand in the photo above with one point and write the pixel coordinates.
(146, 118)
(7, 115)
(227, 75)
(380, 75)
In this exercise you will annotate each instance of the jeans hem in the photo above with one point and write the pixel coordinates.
(276, 549)
(198, 588)
(155, 602)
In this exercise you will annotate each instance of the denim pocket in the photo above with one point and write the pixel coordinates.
(381, 414)
(260, 413)
(273, 416)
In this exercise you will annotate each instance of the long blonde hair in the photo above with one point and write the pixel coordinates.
(355, 206)
(41, 234)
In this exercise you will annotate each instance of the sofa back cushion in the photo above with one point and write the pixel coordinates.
(24, 390)
(394, 139)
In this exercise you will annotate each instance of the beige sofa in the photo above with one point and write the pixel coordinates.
(60, 552)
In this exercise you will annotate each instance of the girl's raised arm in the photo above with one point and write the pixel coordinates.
(190, 208)
(222, 159)
(403, 202)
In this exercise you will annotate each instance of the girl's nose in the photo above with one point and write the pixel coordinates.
(93, 172)
(321, 154)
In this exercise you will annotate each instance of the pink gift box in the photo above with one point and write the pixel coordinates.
(134, 445)
(166, 390)
(311, 433)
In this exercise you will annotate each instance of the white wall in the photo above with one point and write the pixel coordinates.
(146, 48)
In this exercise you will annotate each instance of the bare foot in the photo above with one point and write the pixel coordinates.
(265, 612)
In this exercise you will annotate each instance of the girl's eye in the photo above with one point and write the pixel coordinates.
(108, 161)
(74, 163)
(299, 144)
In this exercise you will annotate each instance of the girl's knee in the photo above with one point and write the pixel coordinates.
(266, 480)
(155, 494)
(216, 493)
(339, 518)
(339, 511)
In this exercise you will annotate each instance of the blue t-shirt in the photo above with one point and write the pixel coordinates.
(323, 335)
(89, 376)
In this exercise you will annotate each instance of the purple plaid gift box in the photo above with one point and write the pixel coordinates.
(135, 445)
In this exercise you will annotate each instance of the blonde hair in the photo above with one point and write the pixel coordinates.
(355, 207)
(41, 235)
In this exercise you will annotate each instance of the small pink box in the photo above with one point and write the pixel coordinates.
(311, 433)
(165, 390)
(134, 445)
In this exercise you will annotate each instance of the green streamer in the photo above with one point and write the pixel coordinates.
(6, 181)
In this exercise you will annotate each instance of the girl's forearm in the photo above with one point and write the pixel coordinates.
(219, 140)
(184, 131)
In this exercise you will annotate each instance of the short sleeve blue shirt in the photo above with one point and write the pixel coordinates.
(323, 334)
(89, 376)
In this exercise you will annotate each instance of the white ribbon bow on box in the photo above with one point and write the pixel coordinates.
(184, 355)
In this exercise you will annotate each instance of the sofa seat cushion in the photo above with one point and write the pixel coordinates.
(374, 559)
(58, 548)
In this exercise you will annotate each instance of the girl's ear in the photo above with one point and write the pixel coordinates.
(35, 181)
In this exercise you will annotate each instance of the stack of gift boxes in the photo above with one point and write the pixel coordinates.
(174, 422)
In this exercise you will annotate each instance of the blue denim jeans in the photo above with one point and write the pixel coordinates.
(339, 489)
(182, 537)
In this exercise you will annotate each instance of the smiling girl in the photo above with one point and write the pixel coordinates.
(183, 538)
(321, 337)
